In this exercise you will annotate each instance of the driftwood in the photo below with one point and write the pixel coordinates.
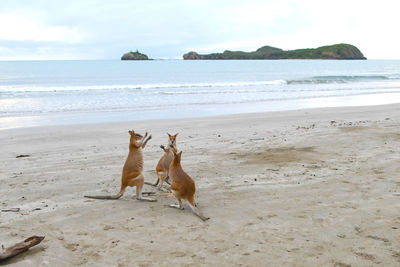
(20, 247)
(23, 156)
(11, 210)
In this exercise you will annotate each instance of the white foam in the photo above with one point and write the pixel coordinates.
(36, 88)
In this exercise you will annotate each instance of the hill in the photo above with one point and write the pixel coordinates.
(337, 51)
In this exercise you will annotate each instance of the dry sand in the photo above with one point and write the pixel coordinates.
(316, 187)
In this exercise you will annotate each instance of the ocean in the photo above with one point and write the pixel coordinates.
(41, 93)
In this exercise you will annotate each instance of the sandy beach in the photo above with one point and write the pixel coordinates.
(316, 187)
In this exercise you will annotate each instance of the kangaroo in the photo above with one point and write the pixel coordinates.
(162, 167)
(132, 171)
(182, 186)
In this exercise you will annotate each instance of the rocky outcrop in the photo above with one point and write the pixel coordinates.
(192, 56)
(337, 51)
(134, 56)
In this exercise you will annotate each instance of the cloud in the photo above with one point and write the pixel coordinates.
(260, 13)
(17, 27)
(369, 25)
(167, 29)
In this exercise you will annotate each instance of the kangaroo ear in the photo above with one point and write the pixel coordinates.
(180, 154)
(131, 132)
(176, 135)
(169, 135)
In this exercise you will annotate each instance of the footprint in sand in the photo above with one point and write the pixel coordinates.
(366, 256)
(71, 246)
(341, 264)
(378, 238)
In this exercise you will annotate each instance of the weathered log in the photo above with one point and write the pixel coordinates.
(11, 210)
(23, 156)
(20, 247)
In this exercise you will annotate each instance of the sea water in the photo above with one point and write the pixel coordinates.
(35, 93)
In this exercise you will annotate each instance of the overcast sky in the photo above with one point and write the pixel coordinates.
(100, 29)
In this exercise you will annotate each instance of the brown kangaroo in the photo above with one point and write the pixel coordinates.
(182, 186)
(162, 167)
(132, 172)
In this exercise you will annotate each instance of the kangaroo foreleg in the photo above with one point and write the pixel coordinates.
(145, 141)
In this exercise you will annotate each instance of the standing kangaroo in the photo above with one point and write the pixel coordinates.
(162, 167)
(132, 173)
(182, 186)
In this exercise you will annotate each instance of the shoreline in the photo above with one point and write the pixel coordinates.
(96, 91)
(111, 117)
(317, 186)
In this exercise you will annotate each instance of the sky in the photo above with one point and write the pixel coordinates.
(100, 29)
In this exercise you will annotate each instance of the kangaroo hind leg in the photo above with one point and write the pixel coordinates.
(138, 181)
(162, 175)
(167, 180)
(177, 206)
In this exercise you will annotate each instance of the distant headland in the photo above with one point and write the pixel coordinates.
(337, 51)
(134, 56)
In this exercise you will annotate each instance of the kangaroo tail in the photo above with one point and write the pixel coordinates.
(195, 210)
(108, 197)
(155, 184)
(104, 197)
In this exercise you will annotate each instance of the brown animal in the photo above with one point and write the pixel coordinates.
(162, 167)
(182, 186)
(132, 173)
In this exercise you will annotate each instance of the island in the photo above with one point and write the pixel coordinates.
(134, 56)
(336, 51)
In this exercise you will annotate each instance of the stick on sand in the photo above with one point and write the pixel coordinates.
(20, 247)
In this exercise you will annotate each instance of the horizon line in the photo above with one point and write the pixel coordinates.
(174, 59)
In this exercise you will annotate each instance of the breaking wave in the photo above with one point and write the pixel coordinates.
(311, 80)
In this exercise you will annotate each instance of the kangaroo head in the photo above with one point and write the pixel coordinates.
(135, 136)
(177, 156)
(172, 140)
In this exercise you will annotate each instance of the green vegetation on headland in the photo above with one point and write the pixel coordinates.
(134, 56)
(337, 51)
